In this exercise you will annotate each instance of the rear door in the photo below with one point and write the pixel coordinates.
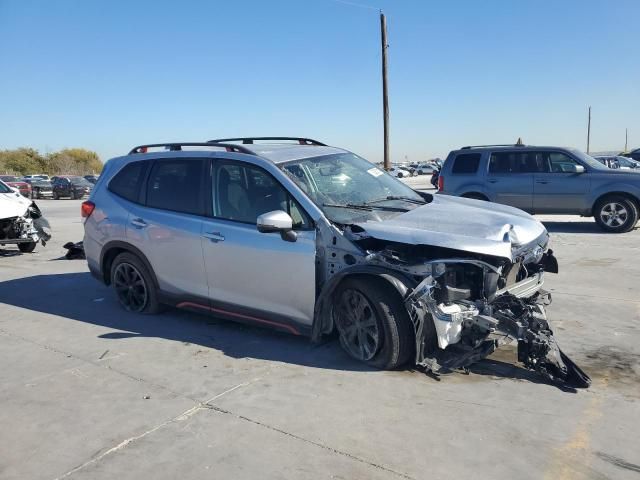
(252, 275)
(510, 179)
(556, 188)
(167, 227)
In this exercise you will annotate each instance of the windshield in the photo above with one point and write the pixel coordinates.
(4, 188)
(348, 189)
(626, 162)
(589, 160)
(9, 178)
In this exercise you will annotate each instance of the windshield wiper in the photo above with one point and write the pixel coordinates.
(397, 197)
(365, 207)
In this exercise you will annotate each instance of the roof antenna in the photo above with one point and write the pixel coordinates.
(519, 142)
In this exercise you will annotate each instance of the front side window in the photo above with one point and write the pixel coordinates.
(177, 185)
(243, 192)
(5, 188)
(128, 181)
(466, 163)
(561, 163)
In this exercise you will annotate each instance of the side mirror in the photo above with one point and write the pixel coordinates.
(277, 221)
(577, 169)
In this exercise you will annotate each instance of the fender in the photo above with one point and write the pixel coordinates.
(616, 187)
(120, 245)
(322, 319)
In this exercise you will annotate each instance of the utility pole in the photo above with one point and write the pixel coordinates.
(385, 97)
(626, 137)
(589, 130)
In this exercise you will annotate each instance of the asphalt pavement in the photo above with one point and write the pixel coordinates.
(89, 391)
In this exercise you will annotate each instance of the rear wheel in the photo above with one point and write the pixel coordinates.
(616, 214)
(134, 285)
(373, 323)
(27, 247)
(56, 196)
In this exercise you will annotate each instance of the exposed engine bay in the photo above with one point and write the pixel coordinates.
(29, 228)
(464, 305)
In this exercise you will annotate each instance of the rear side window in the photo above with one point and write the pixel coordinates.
(466, 163)
(128, 181)
(177, 185)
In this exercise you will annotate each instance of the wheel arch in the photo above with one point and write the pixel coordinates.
(475, 195)
(323, 319)
(622, 193)
(114, 248)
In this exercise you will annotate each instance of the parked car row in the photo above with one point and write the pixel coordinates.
(38, 186)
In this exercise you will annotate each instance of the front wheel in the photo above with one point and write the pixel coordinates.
(616, 214)
(373, 323)
(56, 196)
(134, 285)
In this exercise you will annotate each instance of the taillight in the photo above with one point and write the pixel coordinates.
(441, 183)
(87, 209)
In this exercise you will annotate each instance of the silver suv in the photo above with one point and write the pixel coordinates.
(544, 180)
(307, 238)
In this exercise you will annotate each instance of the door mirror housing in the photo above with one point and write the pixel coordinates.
(277, 221)
(577, 169)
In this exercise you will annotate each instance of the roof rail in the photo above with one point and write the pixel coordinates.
(494, 145)
(177, 146)
(250, 140)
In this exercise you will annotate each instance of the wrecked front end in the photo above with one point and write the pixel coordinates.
(472, 307)
(29, 227)
(465, 304)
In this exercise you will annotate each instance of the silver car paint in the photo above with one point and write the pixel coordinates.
(461, 224)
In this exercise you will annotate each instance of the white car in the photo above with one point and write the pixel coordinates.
(21, 222)
(399, 172)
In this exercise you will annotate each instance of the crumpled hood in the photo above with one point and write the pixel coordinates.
(462, 224)
(13, 205)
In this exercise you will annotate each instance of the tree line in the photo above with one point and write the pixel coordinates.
(69, 161)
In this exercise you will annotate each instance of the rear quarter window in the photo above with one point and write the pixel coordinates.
(466, 163)
(128, 181)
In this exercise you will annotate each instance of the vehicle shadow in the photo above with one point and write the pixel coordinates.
(9, 253)
(587, 226)
(79, 297)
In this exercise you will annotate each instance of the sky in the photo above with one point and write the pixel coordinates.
(108, 75)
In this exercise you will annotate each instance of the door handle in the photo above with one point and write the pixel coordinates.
(492, 180)
(215, 237)
(543, 182)
(138, 223)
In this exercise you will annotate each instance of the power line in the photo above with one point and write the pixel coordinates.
(354, 4)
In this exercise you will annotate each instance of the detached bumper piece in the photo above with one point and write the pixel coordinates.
(486, 327)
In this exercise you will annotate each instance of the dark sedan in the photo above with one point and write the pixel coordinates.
(72, 187)
(15, 182)
(40, 188)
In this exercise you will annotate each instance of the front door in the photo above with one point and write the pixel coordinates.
(254, 276)
(510, 179)
(557, 189)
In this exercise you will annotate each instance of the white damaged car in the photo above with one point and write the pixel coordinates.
(21, 221)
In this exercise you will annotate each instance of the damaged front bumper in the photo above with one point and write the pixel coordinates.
(31, 227)
(468, 331)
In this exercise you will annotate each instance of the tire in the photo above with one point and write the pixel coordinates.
(400, 175)
(56, 196)
(616, 214)
(27, 247)
(387, 331)
(126, 271)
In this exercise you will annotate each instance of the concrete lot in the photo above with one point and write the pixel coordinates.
(88, 391)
